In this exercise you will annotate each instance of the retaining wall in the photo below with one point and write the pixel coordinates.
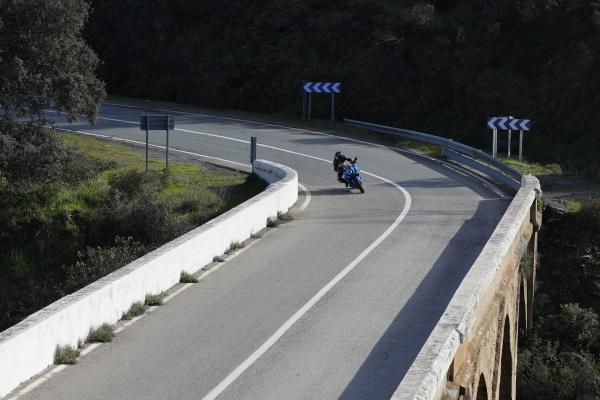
(28, 347)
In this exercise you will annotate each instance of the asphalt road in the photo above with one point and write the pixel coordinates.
(383, 266)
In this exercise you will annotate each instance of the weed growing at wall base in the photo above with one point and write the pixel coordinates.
(187, 278)
(135, 310)
(155, 299)
(65, 355)
(102, 334)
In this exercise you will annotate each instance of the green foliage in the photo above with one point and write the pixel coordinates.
(559, 357)
(155, 299)
(77, 216)
(187, 278)
(44, 60)
(94, 263)
(438, 66)
(545, 372)
(103, 334)
(65, 355)
(135, 310)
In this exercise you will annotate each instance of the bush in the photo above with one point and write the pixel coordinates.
(559, 357)
(135, 310)
(155, 299)
(32, 156)
(103, 334)
(187, 278)
(95, 263)
(65, 355)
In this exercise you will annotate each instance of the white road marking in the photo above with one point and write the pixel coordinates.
(175, 293)
(307, 197)
(89, 349)
(488, 184)
(223, 385)
(117, 139)
(39, 381)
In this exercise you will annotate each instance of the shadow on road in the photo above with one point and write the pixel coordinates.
(389, 360)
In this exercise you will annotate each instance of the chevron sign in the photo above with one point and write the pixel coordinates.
(322, 87)
(505, 124)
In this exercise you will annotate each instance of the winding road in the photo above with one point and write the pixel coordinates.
(334, 304)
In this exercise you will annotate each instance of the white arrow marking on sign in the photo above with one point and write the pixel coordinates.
(491, 122)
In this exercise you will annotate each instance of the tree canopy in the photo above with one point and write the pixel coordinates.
(44, 60)
(440, 66)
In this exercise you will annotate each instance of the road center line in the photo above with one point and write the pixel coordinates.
(225, 383)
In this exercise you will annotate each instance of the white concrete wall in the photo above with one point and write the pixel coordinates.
(426, 378)
(28, 347)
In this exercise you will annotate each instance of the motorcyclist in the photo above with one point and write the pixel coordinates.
(338, 165)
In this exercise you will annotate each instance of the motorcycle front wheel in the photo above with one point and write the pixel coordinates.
(360, 187)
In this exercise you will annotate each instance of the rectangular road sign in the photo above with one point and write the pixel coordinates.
(322, 87)
(506, 123)
(157, 122)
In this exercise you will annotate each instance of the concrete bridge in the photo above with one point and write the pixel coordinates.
(472, 352)
(415, 290)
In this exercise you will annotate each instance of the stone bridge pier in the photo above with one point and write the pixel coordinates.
(484, 367)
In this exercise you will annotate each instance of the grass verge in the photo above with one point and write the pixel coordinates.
(65, 355)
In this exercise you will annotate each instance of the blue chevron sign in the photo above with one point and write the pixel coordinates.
(322, 87)
(505, 124)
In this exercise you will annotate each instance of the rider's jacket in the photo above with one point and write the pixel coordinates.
(338, 162)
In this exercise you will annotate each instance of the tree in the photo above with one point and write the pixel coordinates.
(44, 60)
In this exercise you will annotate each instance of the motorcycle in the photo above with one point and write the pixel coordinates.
(351, 175)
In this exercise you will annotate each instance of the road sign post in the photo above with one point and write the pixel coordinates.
(508, 124)
(157, 123)
(252, 149)
(520, 145)
(308, 88)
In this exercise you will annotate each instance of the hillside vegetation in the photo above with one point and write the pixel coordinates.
(559, 357)
(74, 208)
(441, 66)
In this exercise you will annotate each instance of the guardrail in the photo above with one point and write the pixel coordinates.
(459, 152)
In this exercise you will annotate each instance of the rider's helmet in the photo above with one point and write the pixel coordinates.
(337, 154)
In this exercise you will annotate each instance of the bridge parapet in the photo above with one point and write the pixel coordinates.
(472, 351)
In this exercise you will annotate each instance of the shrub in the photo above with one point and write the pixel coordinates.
(94, 263)
(187, 278)
(103, 334)
(65, 355)
(155, 299)
(135, 310)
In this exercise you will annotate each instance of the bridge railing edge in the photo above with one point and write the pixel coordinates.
(28, 347)
(427, 376)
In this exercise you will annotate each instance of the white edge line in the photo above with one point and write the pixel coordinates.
(304, 309)
(489, 185)
(308, 197)
(39, 381)
(225, 383)
(89, 349)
